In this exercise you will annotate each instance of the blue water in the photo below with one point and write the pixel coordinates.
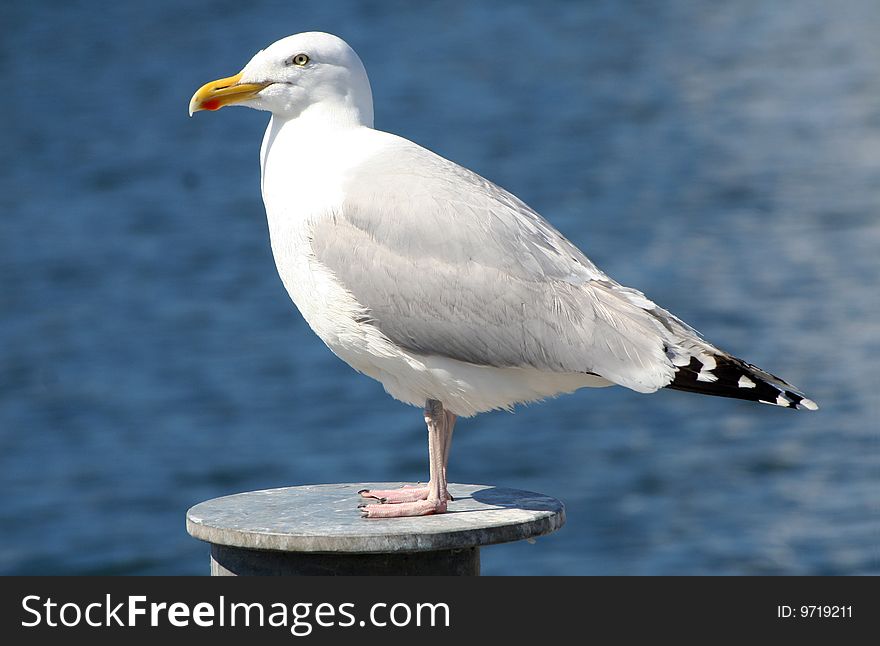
(722, 157)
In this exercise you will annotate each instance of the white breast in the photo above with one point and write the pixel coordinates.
(303, 172)
(303, 175)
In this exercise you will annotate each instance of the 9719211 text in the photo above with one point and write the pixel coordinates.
(814, 612)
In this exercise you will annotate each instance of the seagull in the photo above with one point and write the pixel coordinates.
(447, 289)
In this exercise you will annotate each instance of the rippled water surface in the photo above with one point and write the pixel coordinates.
(722, 157)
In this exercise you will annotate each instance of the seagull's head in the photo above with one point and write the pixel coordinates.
(303, 72)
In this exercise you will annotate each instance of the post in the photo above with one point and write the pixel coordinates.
(317, 530)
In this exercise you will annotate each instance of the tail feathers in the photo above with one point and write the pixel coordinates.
(723, 375)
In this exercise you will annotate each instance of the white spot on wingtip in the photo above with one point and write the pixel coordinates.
(745, 382)
(809, 404)
(782, 400)
(709, 364)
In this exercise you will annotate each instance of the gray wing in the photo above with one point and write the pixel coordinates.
(449, 264)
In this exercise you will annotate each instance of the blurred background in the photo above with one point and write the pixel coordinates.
(724, 158)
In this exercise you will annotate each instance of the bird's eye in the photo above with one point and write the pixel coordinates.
(299, 60)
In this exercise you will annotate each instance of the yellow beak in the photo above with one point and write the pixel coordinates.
(216, 94)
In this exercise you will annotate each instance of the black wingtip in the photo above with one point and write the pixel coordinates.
(723, 375)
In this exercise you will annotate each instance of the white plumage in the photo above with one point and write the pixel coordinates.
(431, 279)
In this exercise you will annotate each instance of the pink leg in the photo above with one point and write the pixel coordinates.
(408, 493)
(420, 501)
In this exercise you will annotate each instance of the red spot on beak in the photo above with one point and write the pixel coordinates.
(211, 104)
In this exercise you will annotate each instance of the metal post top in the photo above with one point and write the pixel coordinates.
(324, 518)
